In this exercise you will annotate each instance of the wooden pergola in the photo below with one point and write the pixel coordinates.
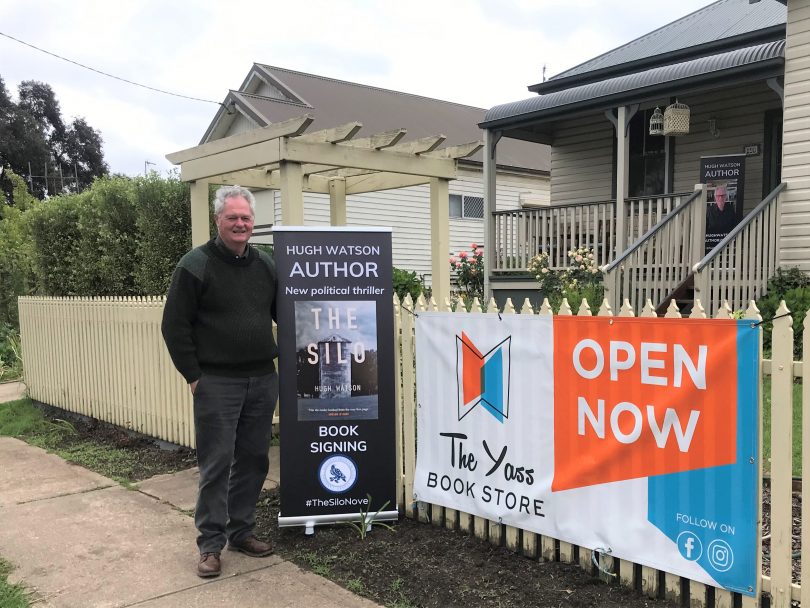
(284, 157)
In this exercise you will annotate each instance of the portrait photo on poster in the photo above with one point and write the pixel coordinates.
(721, 212)
(336, 360)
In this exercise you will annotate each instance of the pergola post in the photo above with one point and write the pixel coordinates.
(440, 237)
(337, 201)
(200, 233)
(292, 193)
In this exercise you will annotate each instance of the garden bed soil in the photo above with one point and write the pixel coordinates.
(417, 564)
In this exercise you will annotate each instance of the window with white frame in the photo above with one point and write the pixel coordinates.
(468, 207)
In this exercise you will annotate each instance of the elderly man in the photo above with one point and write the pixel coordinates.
(218, 328)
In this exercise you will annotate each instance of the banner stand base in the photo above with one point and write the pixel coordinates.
(310, 521)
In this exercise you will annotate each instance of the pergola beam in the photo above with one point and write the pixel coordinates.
(230, 161)
(266, 180)
(423, 145)
(288, 128)
(333, 136)
(374, 182)
(374, 160)
(460, 151)
(378, 141)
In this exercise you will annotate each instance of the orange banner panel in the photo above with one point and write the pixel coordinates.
(640, 397)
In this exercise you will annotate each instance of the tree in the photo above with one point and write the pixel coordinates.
(81, 150)
(39, 100)
(33, 133)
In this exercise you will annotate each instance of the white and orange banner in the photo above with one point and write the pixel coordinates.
(636, 437)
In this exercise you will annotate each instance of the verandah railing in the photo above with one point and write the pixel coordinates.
(661, 258)
(738, 268)
(523, 233)
(104, 357)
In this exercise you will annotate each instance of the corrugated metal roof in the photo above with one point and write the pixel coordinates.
(634, 84)
(720, 20)
(334, 102)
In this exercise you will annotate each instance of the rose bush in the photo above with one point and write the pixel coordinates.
(469, 269)
(580, 279)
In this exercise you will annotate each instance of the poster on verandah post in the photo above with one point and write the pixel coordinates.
(336, 374)
(636, 437)
(724, 177)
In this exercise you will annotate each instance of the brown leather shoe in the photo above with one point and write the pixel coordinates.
(209, 565)
(252, 546)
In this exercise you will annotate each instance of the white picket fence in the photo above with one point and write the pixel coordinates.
(105, 358)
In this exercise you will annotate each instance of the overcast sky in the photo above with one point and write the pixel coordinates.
(479, 53)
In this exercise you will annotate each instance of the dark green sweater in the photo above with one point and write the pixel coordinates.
(217, 318)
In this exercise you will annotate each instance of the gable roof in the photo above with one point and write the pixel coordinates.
(271, 94)
(721, 26)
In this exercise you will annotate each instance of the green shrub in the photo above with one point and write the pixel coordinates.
(108, 240)
(16, 271)
(55, 229)
(10, 353)
(16, 249)
(407, 282)
(119, 237)
(164, 228)
(792, 286)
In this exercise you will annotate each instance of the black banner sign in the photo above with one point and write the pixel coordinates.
(336, 373)
(724, 177)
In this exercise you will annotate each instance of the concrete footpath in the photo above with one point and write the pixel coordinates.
(78, 539)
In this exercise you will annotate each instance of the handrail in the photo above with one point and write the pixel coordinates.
(739, 228)
(546, 207)
(585, 204)
(652, 231)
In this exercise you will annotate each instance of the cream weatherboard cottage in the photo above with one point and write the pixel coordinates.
(740, 67)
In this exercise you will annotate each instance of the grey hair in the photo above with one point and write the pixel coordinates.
(226, 192)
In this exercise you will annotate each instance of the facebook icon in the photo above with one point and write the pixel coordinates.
(690, 546)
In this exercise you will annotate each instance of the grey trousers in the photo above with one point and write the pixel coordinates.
(234, 422)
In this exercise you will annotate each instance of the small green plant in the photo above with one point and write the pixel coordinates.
(469, 269)
(11, 596)
(407, 282)
(401, 601)
(792, 286)
(318, 564)
(355, 585)
(369, 519)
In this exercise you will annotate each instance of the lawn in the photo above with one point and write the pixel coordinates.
(97, 446)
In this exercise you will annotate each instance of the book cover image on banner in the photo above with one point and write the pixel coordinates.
(336, 344)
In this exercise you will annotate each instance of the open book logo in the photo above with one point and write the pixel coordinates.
(483, 378)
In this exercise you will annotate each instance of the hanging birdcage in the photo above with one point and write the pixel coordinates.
(676, 119)
(657, 122)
